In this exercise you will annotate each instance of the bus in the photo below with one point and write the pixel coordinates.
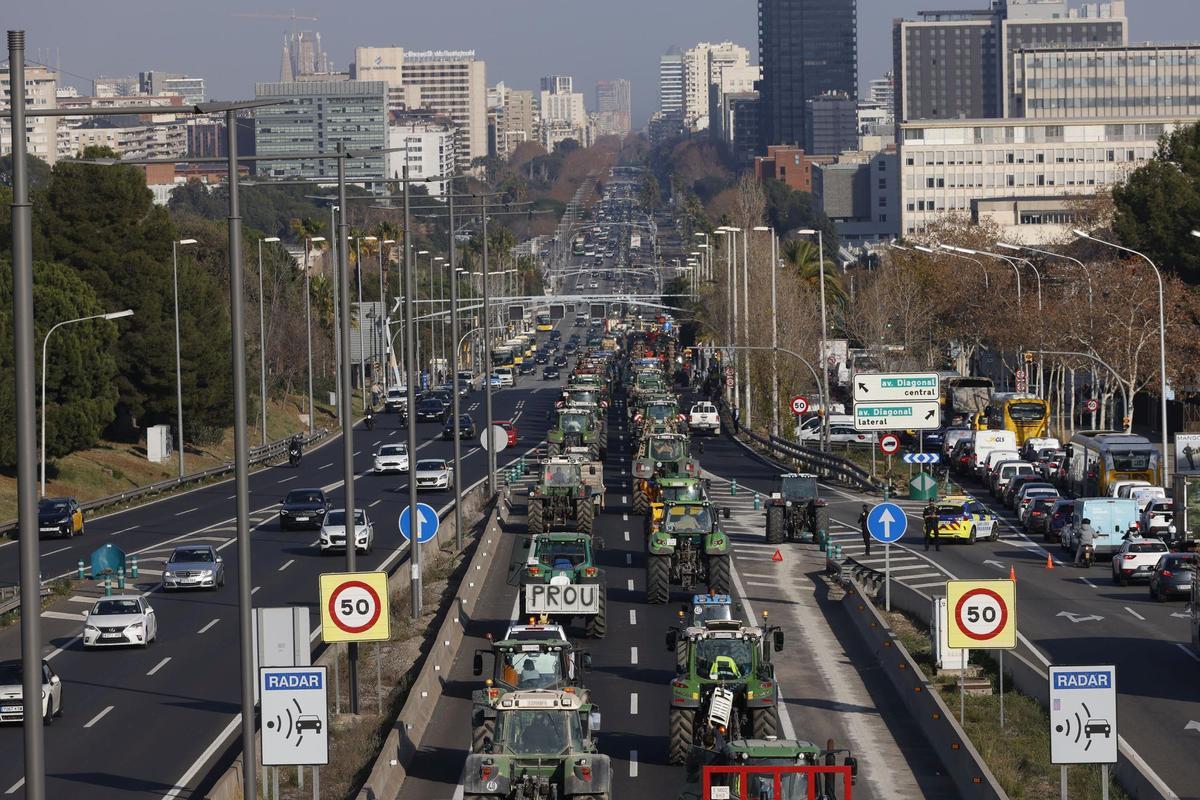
(517, 348)
(577, 246)
(963, 399)
(544, 323)
(502, 357)
(1095, 459)
(1025, 415)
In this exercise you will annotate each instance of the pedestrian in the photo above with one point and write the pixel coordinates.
(930, 516)
(862, 524)
(737, 417)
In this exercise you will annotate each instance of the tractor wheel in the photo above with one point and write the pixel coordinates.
(641, 503)
(585, 515)
(537, 522)
(597, 624)
(683, 728)
(718, 574)
(552, 449)
(765, 722)
(775, 525)
(486, 729)
(822, 521)
(658, 579)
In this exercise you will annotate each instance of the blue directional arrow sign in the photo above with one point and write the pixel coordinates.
(922, 458)
(887, 522)
(428, 527)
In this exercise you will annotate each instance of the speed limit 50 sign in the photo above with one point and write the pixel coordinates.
(354, 607)
(983, 614)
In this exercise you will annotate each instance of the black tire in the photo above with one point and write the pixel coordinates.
(765, 722)
(658, 579)
(537, 523)
(822, 521)
(971, 538)
(597, 624)
(585, 515)
(719, 574)
(486, 729)
(683, 729)
(48, 717)
(552, 449)
(775, 525)
(59, 713)
(641, 503)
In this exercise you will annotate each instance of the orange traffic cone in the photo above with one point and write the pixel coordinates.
(1012, 573)
(1049, 561)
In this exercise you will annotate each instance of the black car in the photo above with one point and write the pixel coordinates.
(570, 348)
(555, 334)
(574, 338)
(430, 410)
(560, 361)
(1172, 576)
(466, 427)
(550, 373)
(526, 367)
(59, 516)
(542, 357)
(303, 508)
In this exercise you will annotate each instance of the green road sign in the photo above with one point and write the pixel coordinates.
(922, 487)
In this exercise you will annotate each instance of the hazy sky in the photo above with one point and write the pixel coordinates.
(521, 40)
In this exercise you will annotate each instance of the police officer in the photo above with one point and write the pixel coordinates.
(930, 516)
(862, 524)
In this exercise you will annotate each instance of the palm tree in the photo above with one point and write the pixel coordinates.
(804, 255)
(307, 227)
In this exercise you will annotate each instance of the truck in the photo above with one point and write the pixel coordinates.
(796, 511)
(688, 549)
(704, 418)
(563, 496)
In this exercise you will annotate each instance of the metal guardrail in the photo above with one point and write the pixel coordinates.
(258, 455)
(826, 464)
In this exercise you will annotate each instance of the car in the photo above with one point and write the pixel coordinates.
(1136, 559)
(333, 531)
(555, 334)
(396, 399)
(430, 410)
(1172, 576)
(1016, 482)
(560, 361)
(391, 458)
(196, 566)
(526, 367)
(122, 619)
(550, 373)
(494, 381)
(1026, 499)
(1050, 524)
(59, 516)
(1005, 471)
(570, 348)
(466, 427)
(963, 517)
(505, 374)
(434, 473)
(1099, 727)
(303, 508)
(1158, 519)
(542, 357)
(308, 722)
(12, 690)
(593, 285)
(470, 379)
(1038, 511)
(511, 429)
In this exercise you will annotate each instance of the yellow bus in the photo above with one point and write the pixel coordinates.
(543, 323)
(1025, 415)
(1095, 459)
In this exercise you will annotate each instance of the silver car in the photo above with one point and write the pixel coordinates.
(434, 473)
(11, 692)
(194, 566)
(333, 531)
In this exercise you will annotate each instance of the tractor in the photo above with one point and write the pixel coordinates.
(660, 456)
(688, 549)
(576, 431)
(563, 496)
(672, 490)
(725, 684)
(767, 754)
(796, 511)
(559, 578)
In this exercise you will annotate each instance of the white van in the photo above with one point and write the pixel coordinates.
(987, 441)
(994, 457)
(810, 429)
(1124, 487)
(1143, 495)
(1035, 444)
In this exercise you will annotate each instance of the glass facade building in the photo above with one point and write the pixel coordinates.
(319, 116)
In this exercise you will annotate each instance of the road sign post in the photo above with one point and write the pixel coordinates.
(886, 523)
(1083, 718)
(354, 607)
(428, 527)
(799, 405)
(295, 716)
(983, 615)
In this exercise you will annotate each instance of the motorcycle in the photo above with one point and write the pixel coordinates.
(370, 421)
(294, 454)
(1087, 556)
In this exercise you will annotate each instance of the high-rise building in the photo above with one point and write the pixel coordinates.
(807, 48)
(729, 80)
(831, 124)
(702, 67)
(520, 118)
(670, 85)
(558, 84)
(192, 90)
(562, 113)
(882, 91)
(614, 108)
(41, 84)
(320, 116)
(452, 83)
(302, 56)
(382, 64)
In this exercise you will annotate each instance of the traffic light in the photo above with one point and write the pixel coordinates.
(1028, 356)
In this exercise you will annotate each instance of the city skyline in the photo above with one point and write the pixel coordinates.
(251, 49)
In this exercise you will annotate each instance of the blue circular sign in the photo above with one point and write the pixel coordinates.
(428, 527)
(886, 522)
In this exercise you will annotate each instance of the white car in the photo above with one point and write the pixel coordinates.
(391, 458)
(1144, 495)
(333, 531)
(504, 375)
(1136, 559)
(1158, 518)
(120, 620)
(434, 473)
(839, 434)
(12, 690)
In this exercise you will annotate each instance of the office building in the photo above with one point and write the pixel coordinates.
(614, 108)
(561, 113)
(741, 119)
(520, 118)
(882, 91)
(452, 83)
(702, 66)
(831, 124)
(320, 116)
(557, 84)
(120, 86)
(860, 194)
(303, 57)
(806, 48)
(382, 64)
(425, 144)
(41, 85)
(670, 84)
(156, 83)
(737, 81)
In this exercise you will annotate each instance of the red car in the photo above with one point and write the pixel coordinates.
(512, 431)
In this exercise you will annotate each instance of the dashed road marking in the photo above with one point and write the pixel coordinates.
(159, 666)
(208, 627)
(286, 564)
(89, 724)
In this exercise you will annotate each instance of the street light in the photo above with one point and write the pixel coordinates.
(824, 327)
(262, 340)
(1052, 254)
(362, 365)
(175, 245)
(308, 242)
(45, 343)
(383, 348)
(774, 331)
(1162, 342)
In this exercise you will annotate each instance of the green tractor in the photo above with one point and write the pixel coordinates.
(660, 456)
(564, 496)
(688, 549)
(796, 511)
(725, 683)
(672, 490)
(767, 754)
(576, 431)
(520, 664)
(543, 749)
(559, 579)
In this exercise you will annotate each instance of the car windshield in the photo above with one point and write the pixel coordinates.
(1132, 460)
(53, 506)
(562, 555)
(528, 732)
(573, 423)
(192, 555)
(393, 450)
(112, 608)
(431, 465)
(660, 413)
(666, 449)
(1147, 547)
(562, 475)
(798, 487)
(583, 397)
(533, 670)
(690, 491)
(689, 519)
(723, 659)
(338, 517)
(10, 673)
(304, 497)
(1026, 412)
(952, 510)
(1179, 562)
(793, 785)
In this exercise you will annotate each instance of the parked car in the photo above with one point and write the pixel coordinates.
(1136, 559)
(122, 619)
(12, 691)
(59, 516)
(1172, 576)
(433, 473)
(303, 508)
(466, 427)
(194, 566)
(333, 531)
(391, 458)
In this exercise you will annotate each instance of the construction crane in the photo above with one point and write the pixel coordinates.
(292, 16)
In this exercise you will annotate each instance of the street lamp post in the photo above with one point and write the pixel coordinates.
(383, 341)
(308, 242)
(262, 340)
(456, 402)
(1162, 343)
(45, 344)
(746, 323)
(362, 362)
(420, 339)
(824, 329)
(178, 365)
(441, 334)
(774, 334)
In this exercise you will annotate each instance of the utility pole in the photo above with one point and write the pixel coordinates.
(487, 348)
(456, 407)
(414, 515)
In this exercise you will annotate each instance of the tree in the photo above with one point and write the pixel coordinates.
(804, 256)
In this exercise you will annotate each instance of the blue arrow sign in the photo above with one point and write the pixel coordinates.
(922, 458)
(886, 522)
(428, 527)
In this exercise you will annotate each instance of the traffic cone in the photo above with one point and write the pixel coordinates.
(1049, 561)
(1012, 573)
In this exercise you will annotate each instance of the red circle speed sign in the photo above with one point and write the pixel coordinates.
(889, 443)
(354, 606)
(1091, 406)
(799, 405)
(981, 614)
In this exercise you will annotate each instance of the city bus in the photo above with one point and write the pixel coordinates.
(1095, 459)
(577, 246)
(963, 399)
(517, 348)
(544, 323)
(502, 356)
(1024, 414)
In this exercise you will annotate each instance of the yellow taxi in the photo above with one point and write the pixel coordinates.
(59, 516)
(963, 517)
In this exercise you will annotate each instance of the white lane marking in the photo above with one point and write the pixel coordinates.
(624, 499)
(286, 564)
(13, 789)
(629, 558)
(77, 617)
(633, 764)
(190, 510)
(52, 552)
(95, 719)
(380, 500)
(633, 658)
(633, 703)
(625, 518)
(1088, 583)
(626, 537)
(356, 452)
(255, 589)
(1136, 614)
(1188, 651)
(760, 583)
(159, 666)
(629, 584)
(285, 480)
(182, 784)
(755, 575)
(633, 616)
(123, 530)
(208, 627)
